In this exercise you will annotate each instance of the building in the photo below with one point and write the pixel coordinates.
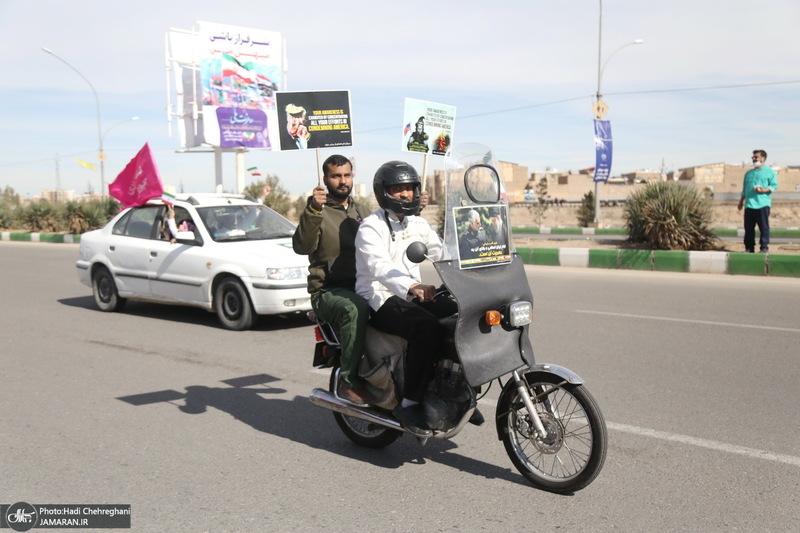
(725, 181)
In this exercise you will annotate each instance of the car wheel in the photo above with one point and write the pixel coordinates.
(105, 291)
(232, 304)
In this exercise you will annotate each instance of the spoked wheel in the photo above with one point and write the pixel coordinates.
(571, 454)
(362, 432)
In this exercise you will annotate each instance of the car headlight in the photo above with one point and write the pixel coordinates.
(519, 314)
(285, 273)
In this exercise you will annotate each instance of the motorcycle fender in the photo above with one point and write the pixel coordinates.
(548, 368)
(560, 371)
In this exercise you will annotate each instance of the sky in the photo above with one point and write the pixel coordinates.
(711, 82)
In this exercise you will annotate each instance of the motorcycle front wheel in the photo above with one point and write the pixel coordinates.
(362, 432)
(570, 456)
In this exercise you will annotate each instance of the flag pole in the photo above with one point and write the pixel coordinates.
(319, 169)
(425, 171)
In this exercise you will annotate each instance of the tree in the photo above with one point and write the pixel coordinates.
(278, 199)
(586, 210)
(541, 203)
(9, 196)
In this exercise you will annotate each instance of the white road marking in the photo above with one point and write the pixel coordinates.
(705, 443)
(689, 321)
(692, 441)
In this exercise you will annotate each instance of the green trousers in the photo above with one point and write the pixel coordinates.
(349, 313)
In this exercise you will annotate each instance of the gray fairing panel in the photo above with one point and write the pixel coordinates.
(488, 352)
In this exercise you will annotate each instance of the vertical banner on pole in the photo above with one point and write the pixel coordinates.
(603, 150)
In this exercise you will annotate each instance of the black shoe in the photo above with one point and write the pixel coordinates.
(749, 251)
(477, 418)
(412, 419)
(765, 249)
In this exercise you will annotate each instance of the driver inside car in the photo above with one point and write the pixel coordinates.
(401, 304)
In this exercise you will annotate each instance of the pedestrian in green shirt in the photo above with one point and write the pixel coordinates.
(759, 184)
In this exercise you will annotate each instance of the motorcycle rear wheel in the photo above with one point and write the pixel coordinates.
(572, 453)
(362, 432)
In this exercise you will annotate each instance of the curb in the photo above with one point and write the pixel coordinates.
(778, 265)
(60, 238)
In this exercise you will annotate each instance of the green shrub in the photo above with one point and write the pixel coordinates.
(39, 217)
(669, 216)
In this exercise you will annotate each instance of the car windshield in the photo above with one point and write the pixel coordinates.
(244, 223)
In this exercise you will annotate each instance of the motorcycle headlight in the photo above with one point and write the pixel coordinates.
(519, 314)
(285, 273)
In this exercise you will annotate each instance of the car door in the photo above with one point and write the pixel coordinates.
(129, 250)
(178, 270)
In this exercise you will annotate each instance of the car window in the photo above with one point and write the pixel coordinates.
(138, 222)
(244, 222)
(183, 222)
(119, 227)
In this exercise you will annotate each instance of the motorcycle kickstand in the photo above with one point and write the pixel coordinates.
(526, 399)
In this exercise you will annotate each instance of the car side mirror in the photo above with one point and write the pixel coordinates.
(186, 237)
(417, 252)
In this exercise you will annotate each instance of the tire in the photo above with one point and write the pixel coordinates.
(573, 453)
(233, 306)
(360, 431)
(104, 289)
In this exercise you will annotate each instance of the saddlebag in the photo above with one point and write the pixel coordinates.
(382, 366)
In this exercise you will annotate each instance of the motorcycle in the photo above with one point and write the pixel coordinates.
(551, 426)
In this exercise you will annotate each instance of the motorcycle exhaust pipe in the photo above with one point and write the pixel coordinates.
(330, 401)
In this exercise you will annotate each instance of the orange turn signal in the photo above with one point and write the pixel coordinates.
(493, 318)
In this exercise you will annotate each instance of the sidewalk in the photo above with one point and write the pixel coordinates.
(784, 265)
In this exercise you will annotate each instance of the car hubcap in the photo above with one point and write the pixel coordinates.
(104, 288)
(232, 305)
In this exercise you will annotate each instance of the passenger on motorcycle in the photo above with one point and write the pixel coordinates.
(326, 233)
(400, 303)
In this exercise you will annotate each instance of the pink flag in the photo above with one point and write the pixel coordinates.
(139, 181)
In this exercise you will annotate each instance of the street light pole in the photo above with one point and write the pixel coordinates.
(100, 155)
(103, 138)
(600, 107)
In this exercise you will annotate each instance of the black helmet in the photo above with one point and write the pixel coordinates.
(396, 173)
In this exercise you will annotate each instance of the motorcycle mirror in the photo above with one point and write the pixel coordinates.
(482, 184)
(416, 252)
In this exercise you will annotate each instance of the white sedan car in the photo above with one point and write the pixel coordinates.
(231, 255)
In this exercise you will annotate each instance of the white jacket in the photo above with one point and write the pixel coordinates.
(382, 268)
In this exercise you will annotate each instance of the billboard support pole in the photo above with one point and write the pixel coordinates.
(240, 170)
(218, 169)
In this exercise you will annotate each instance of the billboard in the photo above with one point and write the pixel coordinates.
(225, 79)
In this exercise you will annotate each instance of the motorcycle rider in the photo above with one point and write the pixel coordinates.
(400, 303)
(326, 232)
